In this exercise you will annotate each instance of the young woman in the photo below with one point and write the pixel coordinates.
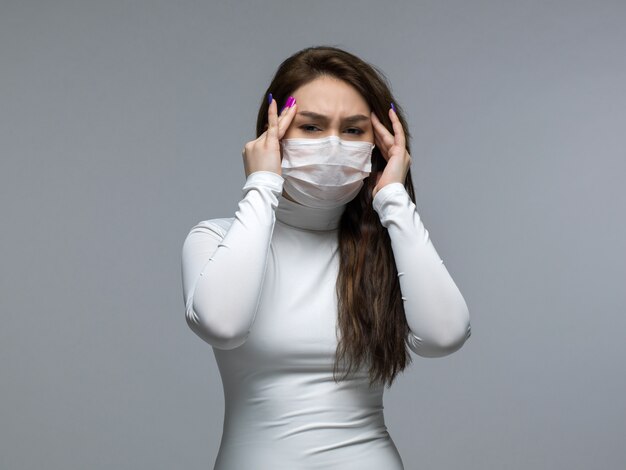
(315, 292)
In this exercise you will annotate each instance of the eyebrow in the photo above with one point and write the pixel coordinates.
(322, 118)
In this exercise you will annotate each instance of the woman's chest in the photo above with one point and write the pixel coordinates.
(297, 312)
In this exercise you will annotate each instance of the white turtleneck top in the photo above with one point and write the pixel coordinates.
(260, 289)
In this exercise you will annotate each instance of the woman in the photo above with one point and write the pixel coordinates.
(315, 293)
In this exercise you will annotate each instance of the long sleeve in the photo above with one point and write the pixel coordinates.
(435, 309)
(223, 273)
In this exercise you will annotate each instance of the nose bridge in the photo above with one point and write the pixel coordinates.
(334, 126)
(332, 132)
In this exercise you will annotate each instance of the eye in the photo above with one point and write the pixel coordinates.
(358, 131)
(306, 127)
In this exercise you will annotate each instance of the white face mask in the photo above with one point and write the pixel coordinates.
(326, 172)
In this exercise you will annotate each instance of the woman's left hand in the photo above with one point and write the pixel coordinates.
(393, 149)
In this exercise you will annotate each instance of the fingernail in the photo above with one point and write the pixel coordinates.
(393, 107)
(289, 103)
(269, 98)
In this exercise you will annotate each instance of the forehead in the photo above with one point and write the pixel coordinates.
(330, 96)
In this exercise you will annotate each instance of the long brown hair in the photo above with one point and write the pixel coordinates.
(370, 308)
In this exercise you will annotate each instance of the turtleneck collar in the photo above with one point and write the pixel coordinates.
(308, 218)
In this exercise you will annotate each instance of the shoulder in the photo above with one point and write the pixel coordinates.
(205, 236)
(219, 226)
(216, 228)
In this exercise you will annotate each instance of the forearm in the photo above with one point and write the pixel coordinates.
(225, 298)
(435, 309)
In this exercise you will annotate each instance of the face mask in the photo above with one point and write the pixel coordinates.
(326, 172)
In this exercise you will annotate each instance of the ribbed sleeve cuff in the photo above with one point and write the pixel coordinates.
(388, 191)
(265, 179)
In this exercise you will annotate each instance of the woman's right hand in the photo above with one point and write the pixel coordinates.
(263, 153)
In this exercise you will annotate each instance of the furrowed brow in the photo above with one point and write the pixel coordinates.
(321, 118)
(356, 118)
(314, 116)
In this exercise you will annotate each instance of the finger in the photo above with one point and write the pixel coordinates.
(398, 131)
(272, 120)
(384, 150)
(285, 111)
(378, 139)
(380, 131)
(286, 119)
(381, 145)
(286, 106)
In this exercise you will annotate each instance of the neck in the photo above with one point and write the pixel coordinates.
(296, 215)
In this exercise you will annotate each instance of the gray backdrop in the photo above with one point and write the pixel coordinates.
(121, 126)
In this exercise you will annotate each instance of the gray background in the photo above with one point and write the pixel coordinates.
(121, 126)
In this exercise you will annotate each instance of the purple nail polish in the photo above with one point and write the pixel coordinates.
(393, 107)
(289, 103)
(269, 98)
